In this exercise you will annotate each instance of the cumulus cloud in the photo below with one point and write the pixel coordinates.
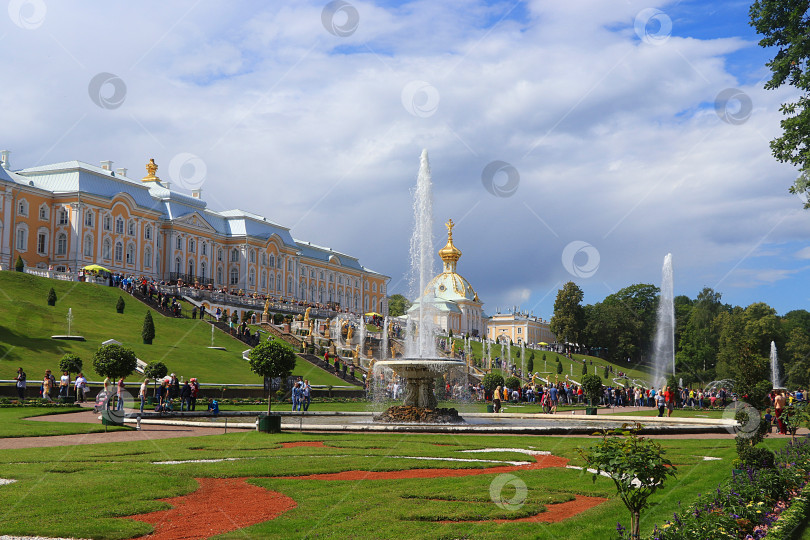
(618, 142)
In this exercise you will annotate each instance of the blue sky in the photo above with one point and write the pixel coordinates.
(623, 142)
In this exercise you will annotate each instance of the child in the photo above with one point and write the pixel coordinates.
(769, 419)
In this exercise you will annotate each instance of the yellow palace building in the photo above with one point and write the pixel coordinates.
(65, 216)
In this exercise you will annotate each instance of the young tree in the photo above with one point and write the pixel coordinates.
(592, 387)
(584, 368)
(636, 465)
(155, 371)
(397, 305)
(114, 361)
(272, 359)
(785, 26)
(491, 381)
(559, 366)
(605, 372)
(19, 265)
(148, 330)
(530, 363)
(70, 363)
(120, 305)
(512, 383)
(52, 297)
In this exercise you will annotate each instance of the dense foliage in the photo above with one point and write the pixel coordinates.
(114, 361)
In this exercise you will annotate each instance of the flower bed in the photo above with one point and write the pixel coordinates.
(755, 503)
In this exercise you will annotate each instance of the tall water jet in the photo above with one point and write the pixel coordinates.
(384, 351)
(420, 344)
(775, 377)
(664, 353)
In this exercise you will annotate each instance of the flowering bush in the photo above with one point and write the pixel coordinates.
(748, 505)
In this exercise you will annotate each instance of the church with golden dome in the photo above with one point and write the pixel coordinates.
(453, 301)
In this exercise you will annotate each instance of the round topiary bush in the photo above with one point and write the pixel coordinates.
(512, 383)
(491, 381)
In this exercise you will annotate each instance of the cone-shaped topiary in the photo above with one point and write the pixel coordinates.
(120, 305)
(52, 297)
(19, 265)
(148, 331)
(559, 366)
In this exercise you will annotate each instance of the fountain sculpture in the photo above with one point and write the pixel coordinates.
(664, 353)
(422, 366)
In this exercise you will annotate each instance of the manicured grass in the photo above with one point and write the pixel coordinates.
(120, 479)
(13, 423)
(27, 322)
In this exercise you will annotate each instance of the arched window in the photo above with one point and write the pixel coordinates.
(356, 301)
(191, 267)
(252, 256)
(119, 226)
(340, 296)
(107, 223)
(22, 207)
(202, 269)
(147, 258)
(264, 279)
(42, 243)
(321, 294)
(43, 212)
(22, 238)
(130, 254)
(119, 252)
(177, 266)
(61, 244)
(88, 218)
(147, 232)
(252, 278)
(63, 217)
(272, 261)
(191, 245)
(131, 228)
(219, 254)
(289, 284)
(234, 255)
(219, 276)
(179, 244)
(278, 282)
(88, 245)
(106, 249)
(374, 286)
(234, 276)
(204, 249)
(313, 292)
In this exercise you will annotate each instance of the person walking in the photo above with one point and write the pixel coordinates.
(120, 394)
(142, 392)
(47, 384)
(21, 383)
(64, 384)
(195, 390)
(185, 397)
(81, 388)
(306, 394)
(496, 400)
(296, 397)
(662, 403)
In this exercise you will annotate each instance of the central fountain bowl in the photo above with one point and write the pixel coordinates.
(419, 375)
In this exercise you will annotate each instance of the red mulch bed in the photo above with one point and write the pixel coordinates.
(220, 505)
(553, 513)
(315, 444)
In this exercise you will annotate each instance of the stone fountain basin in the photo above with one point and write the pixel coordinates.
(421, 367)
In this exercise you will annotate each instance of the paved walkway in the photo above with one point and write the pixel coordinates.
(146, 433)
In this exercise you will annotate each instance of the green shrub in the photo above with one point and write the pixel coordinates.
(19, 265)
(148, 330)
(120, 305)
(559, 366)
(52, 297)
(756, 457)
(491, 381)
(512, 383)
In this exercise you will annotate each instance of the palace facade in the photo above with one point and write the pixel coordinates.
(520, 328)
(68, 215)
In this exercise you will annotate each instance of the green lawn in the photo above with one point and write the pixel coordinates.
(13, 423)
(27, 322)
(335, 509)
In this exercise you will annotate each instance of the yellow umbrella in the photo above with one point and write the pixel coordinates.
(96, 268)
(373, 314)
(543, 343)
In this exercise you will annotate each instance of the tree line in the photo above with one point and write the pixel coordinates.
(713, 340)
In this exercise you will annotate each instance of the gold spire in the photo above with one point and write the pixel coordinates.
(151, 169)
(450, 254)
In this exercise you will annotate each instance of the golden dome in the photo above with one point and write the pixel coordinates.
(450, 254)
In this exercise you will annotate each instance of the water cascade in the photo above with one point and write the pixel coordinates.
(775, 378)
(664, 350)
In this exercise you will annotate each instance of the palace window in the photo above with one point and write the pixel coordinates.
(42, 243)
(22, 208)
(252, 278)
(234, 276)
(147, 232)
(107, 223)
(272, 261)
(88, 218)
(204, 248)
(106, 249)
(43, 212)
(130, 254)
(61, 244)
(374, 287)
(191, 246)
(252, 256)
(119, 252)
(219, 255)
(202, 270)
(234, 255)
(131, 228)
(63, 217)
(88, 245)
(264, 280)
(177, 267)
(191, 267)
(219, 275)
(119, 226)
(147, 258)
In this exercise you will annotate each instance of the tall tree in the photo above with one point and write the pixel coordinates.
(698, 343)
(272, 359)
(568, 320)
(785, 25)
(398, 305)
